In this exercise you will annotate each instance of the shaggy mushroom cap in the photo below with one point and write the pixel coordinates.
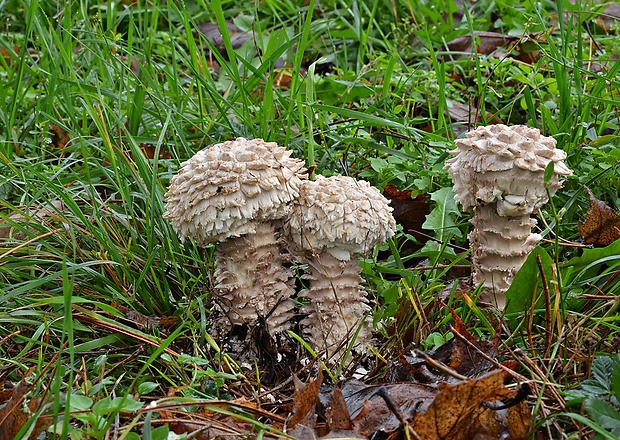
(505, 165)
(227, 189)
(340, 215)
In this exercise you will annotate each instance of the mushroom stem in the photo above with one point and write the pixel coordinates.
(338, 306)
(500, 246)
(253, 280)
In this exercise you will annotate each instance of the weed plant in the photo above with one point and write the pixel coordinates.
(103, 309)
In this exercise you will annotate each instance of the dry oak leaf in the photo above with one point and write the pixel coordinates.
(458, 413)
(602, 225)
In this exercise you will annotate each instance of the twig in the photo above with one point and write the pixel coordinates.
(439, 365)
(547, 297)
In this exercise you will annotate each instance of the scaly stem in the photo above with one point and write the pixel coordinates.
(338, 305)
(500, 246)
(253, 281)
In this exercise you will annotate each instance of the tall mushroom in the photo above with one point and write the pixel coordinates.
(236, 193)
(498, 171)
(335, 221)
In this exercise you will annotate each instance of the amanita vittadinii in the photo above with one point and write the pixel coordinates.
(236, 193)
(335, 221)
(498, 171)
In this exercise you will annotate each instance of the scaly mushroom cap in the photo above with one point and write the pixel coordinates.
(506, 165)
(340, 215)
(227, 189)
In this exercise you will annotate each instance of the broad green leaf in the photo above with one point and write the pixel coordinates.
(107, 405)
(147, 387)
(79, 402)
(525, 285)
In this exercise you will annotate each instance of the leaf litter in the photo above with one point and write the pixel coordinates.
(462, 395)
(602, 223)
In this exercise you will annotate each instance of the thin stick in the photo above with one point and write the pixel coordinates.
(547, 297)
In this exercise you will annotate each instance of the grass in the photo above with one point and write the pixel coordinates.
(101, 101)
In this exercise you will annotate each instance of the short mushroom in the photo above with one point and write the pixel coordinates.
(335, 221)
(236, 193)
(498, 171)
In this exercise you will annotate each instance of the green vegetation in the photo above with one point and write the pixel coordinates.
(103, 310)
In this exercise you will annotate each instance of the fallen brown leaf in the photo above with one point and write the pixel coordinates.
(211, 31)
(372, 414)
(338, 416)
(142, 321)
(602, 224)
(18, 410)
(410, 212)
(458, 413)
(28, 217)
(486, 42)
(61, 137)
(304, 400)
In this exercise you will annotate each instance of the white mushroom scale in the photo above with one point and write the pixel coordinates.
(236, 193)
(498, 171)
(335, 221)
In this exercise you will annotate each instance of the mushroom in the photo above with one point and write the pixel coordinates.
(236, 193)
(498, 171)
(335, 221)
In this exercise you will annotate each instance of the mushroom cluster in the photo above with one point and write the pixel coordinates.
(498, 172)
(335, 221)
(254, 199)
(236, 193)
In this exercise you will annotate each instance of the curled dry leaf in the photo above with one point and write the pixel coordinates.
(602, 224)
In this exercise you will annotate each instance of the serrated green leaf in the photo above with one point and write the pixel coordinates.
(605, 415)
(601, 372)
(604, 383)
(441, 218)
(615, 377)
